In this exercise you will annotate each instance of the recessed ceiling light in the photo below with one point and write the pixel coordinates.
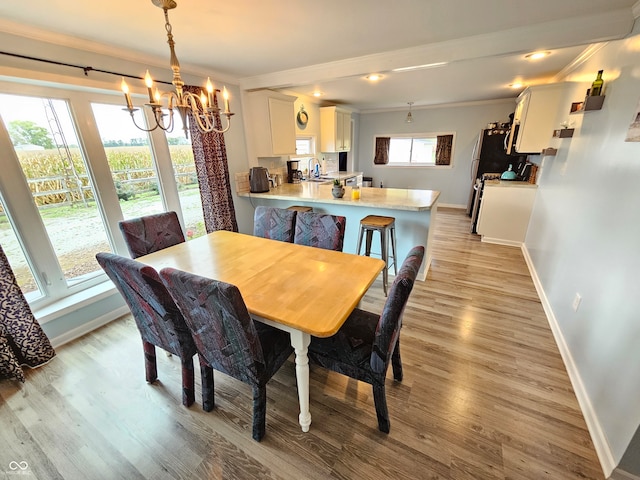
(537, 55)
(516, 85)
(374, 77)
(318, 94)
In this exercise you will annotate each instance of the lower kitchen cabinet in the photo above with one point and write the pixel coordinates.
(505, 211)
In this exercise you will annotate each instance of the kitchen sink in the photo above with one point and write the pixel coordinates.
(318, 180)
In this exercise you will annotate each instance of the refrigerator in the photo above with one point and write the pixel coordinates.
(489, 156)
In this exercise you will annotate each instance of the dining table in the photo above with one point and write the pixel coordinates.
(305, 291)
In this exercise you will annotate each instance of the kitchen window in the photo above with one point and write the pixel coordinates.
(415, 150)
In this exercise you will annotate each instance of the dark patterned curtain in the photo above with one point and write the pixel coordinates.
(212, 170)
(22, 341)
(382, 150)
(443, 149)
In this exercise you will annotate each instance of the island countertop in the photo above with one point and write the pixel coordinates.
(391, 198)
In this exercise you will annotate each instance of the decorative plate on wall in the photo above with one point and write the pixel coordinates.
(302, 117)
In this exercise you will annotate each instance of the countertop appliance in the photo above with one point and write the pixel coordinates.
(258, 180)
(293, 174)
(489, 156)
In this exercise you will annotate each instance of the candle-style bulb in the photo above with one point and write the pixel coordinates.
(209, 85)
(203, 99)
(225, 95)
(157, 96)
(148, 81)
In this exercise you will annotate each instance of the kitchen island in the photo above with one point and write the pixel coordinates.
(414, 210)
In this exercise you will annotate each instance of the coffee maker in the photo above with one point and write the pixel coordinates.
(293, 174)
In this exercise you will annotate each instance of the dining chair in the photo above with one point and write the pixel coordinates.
(367, 342)
(320, 230)
(157, 317)
(227, 338)
(151, 233)
(274, 223)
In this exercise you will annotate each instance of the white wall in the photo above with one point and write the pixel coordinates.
(466, 121)
(584, 238)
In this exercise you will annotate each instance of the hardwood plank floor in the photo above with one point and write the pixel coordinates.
(485, 396)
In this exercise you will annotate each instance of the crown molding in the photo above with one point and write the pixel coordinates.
(636, 10)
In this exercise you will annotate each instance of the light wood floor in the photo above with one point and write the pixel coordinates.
(485, 396)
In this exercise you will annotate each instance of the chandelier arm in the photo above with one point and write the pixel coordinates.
(133, 118)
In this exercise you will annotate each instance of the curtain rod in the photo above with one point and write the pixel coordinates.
(86, 69)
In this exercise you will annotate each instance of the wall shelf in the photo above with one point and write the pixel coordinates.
(564, 133)
(590, 103)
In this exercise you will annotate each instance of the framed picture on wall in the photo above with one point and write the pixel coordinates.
(633, 135)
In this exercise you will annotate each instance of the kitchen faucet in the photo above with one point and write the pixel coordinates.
(313, 163)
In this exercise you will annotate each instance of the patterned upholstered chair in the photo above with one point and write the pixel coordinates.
(158, 318)
(320, 230)
(151, 233)
(227, 338)
(274, 223)
(366, 343)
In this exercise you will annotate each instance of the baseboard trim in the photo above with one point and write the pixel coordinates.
(622, 475)
(603, 450)
(85, 328)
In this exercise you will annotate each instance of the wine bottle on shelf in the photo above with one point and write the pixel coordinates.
(596, 86)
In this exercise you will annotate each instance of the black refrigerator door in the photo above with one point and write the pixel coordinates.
(493, 158)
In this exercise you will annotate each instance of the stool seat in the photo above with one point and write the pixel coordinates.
(387, 228)
(300, 208)
(377, 221)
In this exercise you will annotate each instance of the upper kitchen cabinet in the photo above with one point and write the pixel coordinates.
(534, 118)
(335, 130)
(270, 123)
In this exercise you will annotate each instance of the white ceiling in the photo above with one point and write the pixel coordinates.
(330, 45)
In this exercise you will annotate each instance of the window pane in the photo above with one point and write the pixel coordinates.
(13, 250)
(46, 144)
(130, 161)
(400, 150)
(424, 150)
(184, 167)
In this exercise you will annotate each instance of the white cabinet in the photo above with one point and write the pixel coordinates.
(335, 130)
(535, 118)
(505, 211)
(270, 123)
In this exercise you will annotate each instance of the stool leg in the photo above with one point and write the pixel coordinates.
(393, 250)
(367, 248)
(360, 239)
(385, 254)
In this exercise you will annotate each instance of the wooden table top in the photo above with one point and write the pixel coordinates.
(307, 288)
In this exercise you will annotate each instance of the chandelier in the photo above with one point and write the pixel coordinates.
(203, 108)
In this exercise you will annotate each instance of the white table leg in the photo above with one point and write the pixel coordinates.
(300, 342)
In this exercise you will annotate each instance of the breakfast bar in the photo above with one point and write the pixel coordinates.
(414, 210)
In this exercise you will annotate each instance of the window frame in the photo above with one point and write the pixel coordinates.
(24, 215)
(418, 135)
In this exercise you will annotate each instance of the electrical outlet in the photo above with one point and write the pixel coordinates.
(576, 302)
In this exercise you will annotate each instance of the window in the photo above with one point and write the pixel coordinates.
(305, 146)
(420, 150)
(62, 152)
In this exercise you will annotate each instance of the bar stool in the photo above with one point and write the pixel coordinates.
(300, 208)
(387, 228)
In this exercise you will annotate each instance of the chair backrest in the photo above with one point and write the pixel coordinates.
(320, 230)
(222, 329)
(388, 328)
(151, 233)
(154, 311)
(274, 223)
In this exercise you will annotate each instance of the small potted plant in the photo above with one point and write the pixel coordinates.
(338, 190)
